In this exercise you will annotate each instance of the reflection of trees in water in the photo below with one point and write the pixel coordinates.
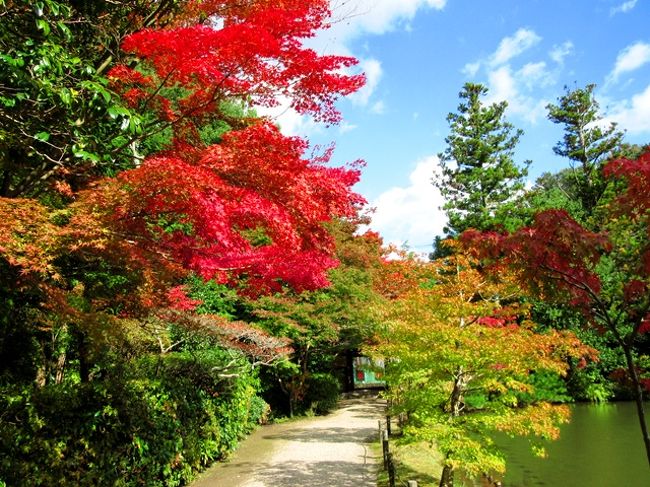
(600, 446)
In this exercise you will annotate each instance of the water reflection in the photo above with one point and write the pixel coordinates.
(601, 447)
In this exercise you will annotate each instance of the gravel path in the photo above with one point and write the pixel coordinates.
(333, 450)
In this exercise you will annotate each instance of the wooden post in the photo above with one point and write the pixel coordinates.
(388, 424)
(402, 419)
(384, 447)
(412, 483)
(391, 471)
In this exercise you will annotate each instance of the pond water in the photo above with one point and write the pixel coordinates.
(600, 447)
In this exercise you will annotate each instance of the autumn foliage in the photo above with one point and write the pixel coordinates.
(255, 56)
(545, 246)
(558, 257)
(248, 211)
(156, 210)
(463, 356)
(604, 274)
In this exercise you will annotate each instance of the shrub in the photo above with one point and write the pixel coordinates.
(156, 426)
(322, 393)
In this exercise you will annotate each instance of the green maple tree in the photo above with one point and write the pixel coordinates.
(462, 355)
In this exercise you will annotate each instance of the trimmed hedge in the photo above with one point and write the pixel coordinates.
(157, 425)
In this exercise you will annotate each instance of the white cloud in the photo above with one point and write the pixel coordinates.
(378, 108)
(346, 127)
(535, 74)
(372, 69)
(633, 115)
(623, 8)
(411, 214)
(352, 19)
(558, 53)
(510, 47)
(355, 17)
(520, 86)
(470, 69)
(501, 85)
(504, 85)
(630, 59)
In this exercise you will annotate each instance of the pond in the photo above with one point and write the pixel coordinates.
(600, 447)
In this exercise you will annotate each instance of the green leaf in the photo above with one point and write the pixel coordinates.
(38, 8)
(65, 96)
(44, 136)
(99, 90)
(11, 61)
(64, 30)
(43, 25)
(7, 102)
(116, 110)
(89, 156)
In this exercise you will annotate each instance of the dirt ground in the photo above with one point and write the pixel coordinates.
(333, 450)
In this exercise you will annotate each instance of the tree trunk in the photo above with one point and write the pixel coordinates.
(7, 162)
(41, 376)
(638, 398)
(60, 368)
(456, 400)
(42, 370)
(83, 352)
(60, 344)
(455, 408)
(291, 403)
(447, 477)
(6, 183)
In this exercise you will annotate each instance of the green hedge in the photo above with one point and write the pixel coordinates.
(156, 425)
(323, 393)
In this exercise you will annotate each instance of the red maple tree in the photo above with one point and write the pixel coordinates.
(249, 212)
(220, 51)
(605, 274)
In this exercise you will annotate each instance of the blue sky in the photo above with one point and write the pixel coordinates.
(417, 54)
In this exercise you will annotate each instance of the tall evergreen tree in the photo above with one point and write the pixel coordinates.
(479, 175)
(586, 142)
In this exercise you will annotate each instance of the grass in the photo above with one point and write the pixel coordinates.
(414, 461)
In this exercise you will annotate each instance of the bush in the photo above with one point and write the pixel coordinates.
(169, 418)
(547, 386)
(322, 393)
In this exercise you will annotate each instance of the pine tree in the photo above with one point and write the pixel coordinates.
(586, 143)
(479, 176)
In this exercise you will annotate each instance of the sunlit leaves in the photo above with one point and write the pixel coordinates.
(604, 274)
(253, 53)
(479, 177)
(27, 238)
(53, 98)
(598, 271)
(461, 350)
(249, 211)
